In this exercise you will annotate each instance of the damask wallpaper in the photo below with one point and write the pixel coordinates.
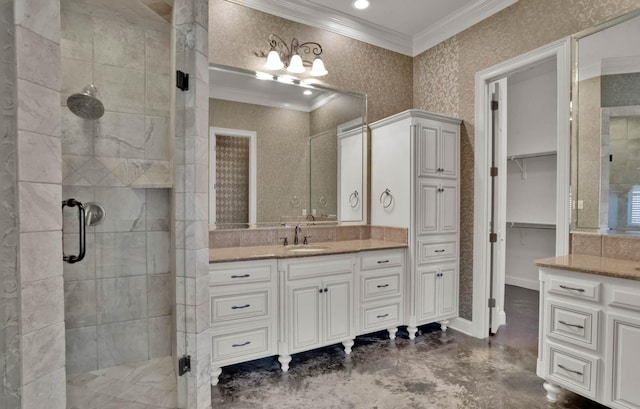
(440, 80)
(445, 79)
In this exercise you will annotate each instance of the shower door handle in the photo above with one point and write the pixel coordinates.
(81, 231)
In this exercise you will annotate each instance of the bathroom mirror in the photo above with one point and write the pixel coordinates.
(276, 154)
(606, 127)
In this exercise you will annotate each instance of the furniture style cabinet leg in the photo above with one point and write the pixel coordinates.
(284, 362)
(552, 391)
(392, 333)
(347, 346)
(215, 373)
(412, 332)
(444, 325)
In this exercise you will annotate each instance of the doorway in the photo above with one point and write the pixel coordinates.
(521, 151)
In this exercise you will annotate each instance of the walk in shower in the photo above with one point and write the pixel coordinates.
(117, 151)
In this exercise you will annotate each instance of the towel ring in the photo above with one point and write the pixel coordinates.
(354, 200)
(295, 202)
(322, 202)
(386, 198)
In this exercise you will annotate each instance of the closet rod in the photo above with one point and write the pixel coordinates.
(524, 225)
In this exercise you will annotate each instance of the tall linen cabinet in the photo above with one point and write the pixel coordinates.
(415, 169)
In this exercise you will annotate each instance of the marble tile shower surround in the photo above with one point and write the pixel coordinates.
(318, 234)
(118, 300)
(127, 57)
(10, 365)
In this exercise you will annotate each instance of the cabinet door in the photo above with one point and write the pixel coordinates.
(338, 308)
(623, 370)
(427, 296)
(427, 207)
(303, 308)
(448, 208)
(350, 176)
(447, 290)
(427, 151)
(449, 152)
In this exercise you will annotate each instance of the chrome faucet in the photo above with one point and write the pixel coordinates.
(297, 230)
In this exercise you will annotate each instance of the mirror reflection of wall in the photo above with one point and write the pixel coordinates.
(608, 99)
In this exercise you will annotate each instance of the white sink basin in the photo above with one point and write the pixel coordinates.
(308, 249)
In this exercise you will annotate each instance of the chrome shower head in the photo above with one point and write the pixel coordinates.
(86, 105)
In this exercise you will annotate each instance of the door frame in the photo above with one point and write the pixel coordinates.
(561, 51)
(252, 135)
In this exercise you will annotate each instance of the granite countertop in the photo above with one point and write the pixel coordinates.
(604, 266)
(218, 255)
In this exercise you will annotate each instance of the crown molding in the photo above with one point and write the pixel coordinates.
(306, 12)
(314, 15)
(457, 22)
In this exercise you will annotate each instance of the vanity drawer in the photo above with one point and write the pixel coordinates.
(382, 259)
(242, 272)
(575, 371)
(569, 287)
(429, 251)
(376, 286)
(625, 298)
(380, 316)
(318, 266)
(575, 324)
(238, 306)
(254, 342)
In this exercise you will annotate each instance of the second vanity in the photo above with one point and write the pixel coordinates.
(281, 300)
(590, 328)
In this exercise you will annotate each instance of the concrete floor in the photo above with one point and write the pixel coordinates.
(436, 370)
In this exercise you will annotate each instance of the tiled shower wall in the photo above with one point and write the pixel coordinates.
(9, 301)
(118, 300)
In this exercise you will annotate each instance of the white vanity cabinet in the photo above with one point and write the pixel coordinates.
(316, 304)
(244, 315)
(589, 336)
(415, 184)
(380, 280)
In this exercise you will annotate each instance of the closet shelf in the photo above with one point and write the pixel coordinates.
(531, 155)
(531, 225)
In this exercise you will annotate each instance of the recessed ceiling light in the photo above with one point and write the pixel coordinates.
(361, 4)
(307, 92)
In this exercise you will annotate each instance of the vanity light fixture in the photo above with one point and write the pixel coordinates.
(286, 56)
(308, 92)
(361, 4)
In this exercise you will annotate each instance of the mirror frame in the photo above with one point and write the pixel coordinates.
(313, 84)
(575, 121)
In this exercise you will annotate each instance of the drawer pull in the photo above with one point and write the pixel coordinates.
(570, 370)
(383, 316)
(383, 261)
(242, 276)
(565, 287)
(241, 345)
(571, 325)
(235, 307)
(439, 251)
(383, 286)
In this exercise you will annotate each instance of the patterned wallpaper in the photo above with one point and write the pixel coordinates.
(232, 179)
(236, 32)
(445, 79)
(441, 79)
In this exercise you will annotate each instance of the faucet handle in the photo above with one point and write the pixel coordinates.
(285, 241)
(305, 241)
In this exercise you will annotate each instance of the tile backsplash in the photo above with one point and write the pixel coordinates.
(614, 246)
(315, 234)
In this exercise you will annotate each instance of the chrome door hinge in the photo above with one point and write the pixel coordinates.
(494, 105)
(493, 237)
(492, 303)
(182, 80)
(493, 171)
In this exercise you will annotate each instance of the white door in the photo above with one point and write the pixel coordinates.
(304, 315)
(338, 308)
(498, 94)
(427, 308)
(448, 207)
(623, 372)
(448, 151)
(447, 290)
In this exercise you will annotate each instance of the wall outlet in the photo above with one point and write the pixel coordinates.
(580, 204)
(304, 212)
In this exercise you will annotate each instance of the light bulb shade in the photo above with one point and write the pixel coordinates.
(296, 66)
(273, 61)
(317, 69)
(361, 4)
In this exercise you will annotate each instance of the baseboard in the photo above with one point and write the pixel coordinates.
(523, 282)
(462, 325)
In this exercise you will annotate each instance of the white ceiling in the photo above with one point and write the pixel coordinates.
(405, 26)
